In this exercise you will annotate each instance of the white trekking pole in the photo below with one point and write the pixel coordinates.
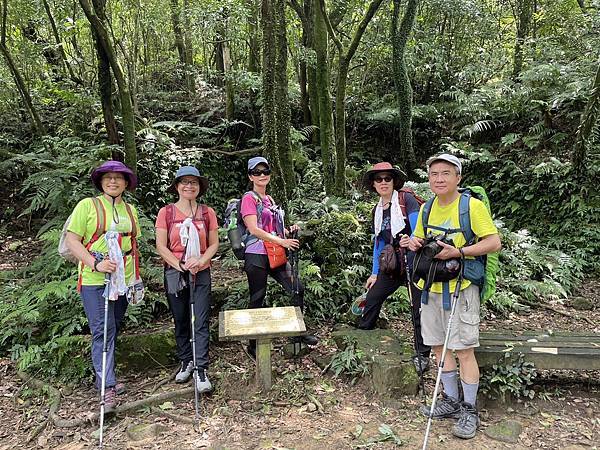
(104, 352)
(443, 358)
(193, 325)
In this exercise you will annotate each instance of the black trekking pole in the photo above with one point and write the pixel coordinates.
(104, 352)
(193, 325)
(414, 323)
(295, 287)
(443, 357)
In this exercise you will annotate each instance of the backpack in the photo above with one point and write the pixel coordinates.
(237, 233)
(402, 201)
(65, 252)
(484, 277)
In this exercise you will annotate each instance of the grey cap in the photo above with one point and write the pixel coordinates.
(448, 158)
(255, 161)
(191, 171)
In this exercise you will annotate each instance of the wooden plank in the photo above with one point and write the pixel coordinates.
(524, 336)
(261, 323)
(263, 364)
(544, 357)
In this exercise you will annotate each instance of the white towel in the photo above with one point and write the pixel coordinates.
(397, 219)
(190, 240)
(117, 285)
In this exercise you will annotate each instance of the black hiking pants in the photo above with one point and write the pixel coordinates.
(180, 308)
(384, 287)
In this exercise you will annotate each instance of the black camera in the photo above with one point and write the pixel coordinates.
(431, 247)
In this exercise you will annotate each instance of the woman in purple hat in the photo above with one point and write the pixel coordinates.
(89, 223)
(264, 222)
(394, 215)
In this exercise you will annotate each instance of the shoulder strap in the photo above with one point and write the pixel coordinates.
(426, 213)
(100, 221)
(464, 217)
(402, 201)
(133, 233)
(170, 218)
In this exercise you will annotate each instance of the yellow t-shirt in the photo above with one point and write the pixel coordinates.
(83, 223)
(447, 217)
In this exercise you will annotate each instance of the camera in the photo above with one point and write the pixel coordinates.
(431, 247)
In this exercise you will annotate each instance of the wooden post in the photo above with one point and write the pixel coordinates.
(263, 364)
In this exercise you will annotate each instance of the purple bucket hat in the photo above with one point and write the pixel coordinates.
(114, 166)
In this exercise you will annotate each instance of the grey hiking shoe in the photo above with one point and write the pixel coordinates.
(468, 421)
(445, 408)
(202, 382)
(185, 372)
(120, 388)
(421, 363)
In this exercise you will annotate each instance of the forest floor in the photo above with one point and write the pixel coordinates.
(306, 408)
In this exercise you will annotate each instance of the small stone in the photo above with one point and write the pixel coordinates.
(505, 431)
(144, 431)
(589, 412)
(311, 407)
(582, 304)
(15, 245)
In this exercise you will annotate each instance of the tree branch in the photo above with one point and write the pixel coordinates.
(373, 7)
(330, 29)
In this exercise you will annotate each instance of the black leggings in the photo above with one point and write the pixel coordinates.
(180, 307)
(379, 292)
(257, 270)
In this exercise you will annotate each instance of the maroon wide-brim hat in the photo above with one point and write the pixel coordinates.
(114, 166)
(398, 175)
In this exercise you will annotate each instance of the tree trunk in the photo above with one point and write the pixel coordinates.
(253, 38)
(229, 83)
(344, 58)
(282, 103)
(189, 48)
(38, 126)
(525, 13)
(59, 44)
(105, 88)
(404, 92)
(177, 30)
(589, 121)
(97, 19)
(324, 98)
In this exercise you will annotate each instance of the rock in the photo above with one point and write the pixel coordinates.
(15, 245)
(505, 431)
(144, 431)
(291, 351)
(140, 352)
(320, 360)
(311, 407)
(392, 372)
(582, 304)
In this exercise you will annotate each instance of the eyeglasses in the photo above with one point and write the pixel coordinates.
(113, 177)
(190, 182)
(259, 172)
(385, 178)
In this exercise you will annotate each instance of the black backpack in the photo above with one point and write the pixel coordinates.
(237, 233)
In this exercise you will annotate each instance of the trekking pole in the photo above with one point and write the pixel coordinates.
(104, 352)
(442, 359)
(193, 325)
(295, 288)
(414, 323)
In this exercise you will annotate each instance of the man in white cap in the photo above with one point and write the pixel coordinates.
(444, 173)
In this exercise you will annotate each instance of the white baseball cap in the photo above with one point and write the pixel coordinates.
(448, 158)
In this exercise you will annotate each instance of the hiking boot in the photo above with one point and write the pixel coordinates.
(110, 400)
(468, 421)
(424, 364)
(202, 382)
(185, 372)
(445, 407)
(120, 388)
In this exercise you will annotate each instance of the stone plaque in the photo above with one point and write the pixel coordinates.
(260, 323)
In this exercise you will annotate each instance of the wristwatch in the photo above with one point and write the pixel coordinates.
(462, 253)
(96, 261)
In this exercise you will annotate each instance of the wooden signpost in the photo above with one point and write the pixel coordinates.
(262, 324)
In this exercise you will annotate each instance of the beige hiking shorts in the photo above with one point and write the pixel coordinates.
(464, 330)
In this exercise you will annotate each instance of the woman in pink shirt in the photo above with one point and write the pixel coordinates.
(264, 223)
(187, 238)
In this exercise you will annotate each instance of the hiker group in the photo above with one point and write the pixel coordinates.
(436, 248)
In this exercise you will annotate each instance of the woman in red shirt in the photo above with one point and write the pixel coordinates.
(187, 238)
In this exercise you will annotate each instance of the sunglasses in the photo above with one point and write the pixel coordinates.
(259, 172)
(385, 178)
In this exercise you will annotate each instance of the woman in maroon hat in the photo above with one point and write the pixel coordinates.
(394, 215)
(91, 219)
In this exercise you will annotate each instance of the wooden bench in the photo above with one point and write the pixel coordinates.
(559, 350)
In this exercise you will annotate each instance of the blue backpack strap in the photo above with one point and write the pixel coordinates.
(426, 212)
(464, 217)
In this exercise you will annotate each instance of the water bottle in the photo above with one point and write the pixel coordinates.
(234, 235)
